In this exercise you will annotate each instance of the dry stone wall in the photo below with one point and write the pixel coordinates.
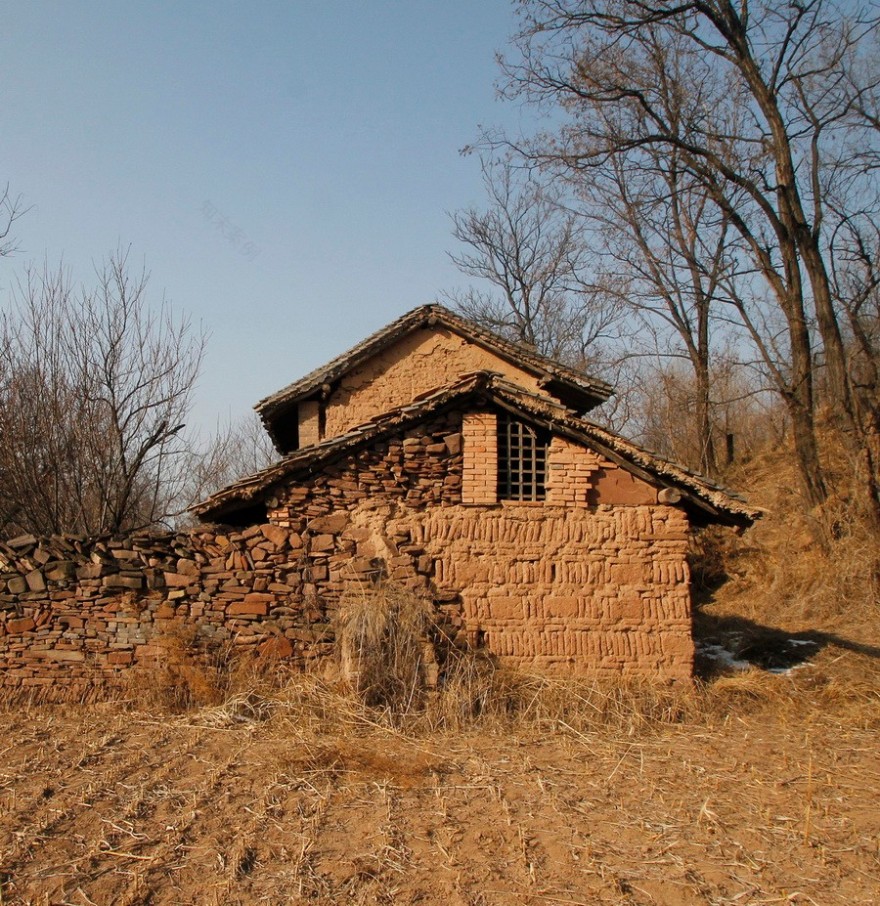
(90, 610)
(599, 589)
(75, 613)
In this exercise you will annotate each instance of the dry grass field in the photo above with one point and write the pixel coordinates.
(755, 788)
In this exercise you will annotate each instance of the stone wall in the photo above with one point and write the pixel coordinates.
(592, 589)
(76, 613)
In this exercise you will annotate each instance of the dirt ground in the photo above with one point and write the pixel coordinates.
(766, 792)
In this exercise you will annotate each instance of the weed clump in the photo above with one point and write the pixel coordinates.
(385, 648)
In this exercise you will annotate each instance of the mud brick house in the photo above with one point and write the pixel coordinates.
(447, 459)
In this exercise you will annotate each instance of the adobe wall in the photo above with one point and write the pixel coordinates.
(420, 362)
(593, 580)
(592, 589)
(551, 589)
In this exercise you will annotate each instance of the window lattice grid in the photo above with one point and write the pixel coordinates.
(522, 460)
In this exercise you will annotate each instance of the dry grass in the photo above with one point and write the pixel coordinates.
(384, 643)
(753, 788)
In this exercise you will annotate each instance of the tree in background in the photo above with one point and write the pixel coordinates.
(769, 109)
(665, 242)
(236, 449)
(10, 210)
(95, 387)
(530, 250)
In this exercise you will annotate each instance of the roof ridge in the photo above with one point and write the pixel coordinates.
(548, 368)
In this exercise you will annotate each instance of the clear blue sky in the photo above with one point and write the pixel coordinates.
(283, 168)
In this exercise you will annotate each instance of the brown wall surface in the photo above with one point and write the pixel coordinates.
(420, 362)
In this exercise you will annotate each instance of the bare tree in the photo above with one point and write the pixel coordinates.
(11, 209)
(768, 108)
(531, 251)
(235, 450)
(665, 241)
(94, 389)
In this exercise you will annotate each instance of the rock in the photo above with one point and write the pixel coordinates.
(322, 543)
(186, 567)
(61, 570)
(35, 580)
(248, 608)
(122, 582)
(178, 580)
(329, 525)
(21, 541)
(277, 535)
(120, 658)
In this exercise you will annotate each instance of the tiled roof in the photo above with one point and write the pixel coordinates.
(708, 500)
(574, 387)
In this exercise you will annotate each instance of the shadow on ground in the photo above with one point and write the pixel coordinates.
(730, 642)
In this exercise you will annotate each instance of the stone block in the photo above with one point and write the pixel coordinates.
(35, 580)
(23, 624)
(329, 525)
(248, 608)
(21, 541)
(61, 570)
(178, 580)
(16, 585)
(187, 567)
(65, 654)
(277, 535)
(453, 443)
(133, 582)
(89, 571)
(322, 543)
(120, 658)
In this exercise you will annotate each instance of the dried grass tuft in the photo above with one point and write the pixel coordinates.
(383, 637)
(183, 677)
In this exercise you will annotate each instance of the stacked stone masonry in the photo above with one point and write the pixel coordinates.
(596, 589)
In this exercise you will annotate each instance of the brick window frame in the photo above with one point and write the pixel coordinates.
(522, 460)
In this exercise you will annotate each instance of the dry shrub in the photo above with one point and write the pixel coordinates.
(183, 677)
(383, 638)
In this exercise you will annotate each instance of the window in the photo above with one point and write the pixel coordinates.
(522, 460)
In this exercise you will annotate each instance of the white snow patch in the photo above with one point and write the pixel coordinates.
(720, 653)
